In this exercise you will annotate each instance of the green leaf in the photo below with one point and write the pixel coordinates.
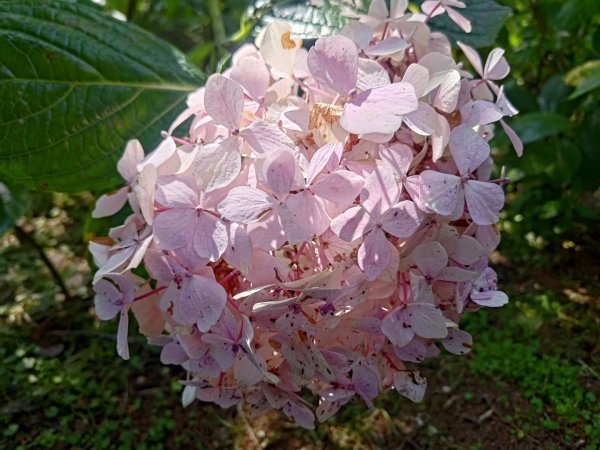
(574, 13)
(13, 204)
(535, 126)
(586, 77)
(486, 16)
(310, 20)
(566, 160)
(78, 85)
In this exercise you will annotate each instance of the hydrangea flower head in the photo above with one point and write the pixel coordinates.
(323, 225)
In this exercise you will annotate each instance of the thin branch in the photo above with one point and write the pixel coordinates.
(218, 27)
(26, 237)
(131, 8)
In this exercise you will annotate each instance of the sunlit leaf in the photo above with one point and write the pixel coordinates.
(487, 18)
(81, 84)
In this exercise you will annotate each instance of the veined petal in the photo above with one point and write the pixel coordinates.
(224, 101)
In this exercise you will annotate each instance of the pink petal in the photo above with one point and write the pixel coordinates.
(365, 383)
(473, 57)
(202, 302)
(496, 66)
(397, 328)
(122, 344)
(427, 320)
(145, 189)
(301, 414)
(127, 165)
(410, 384)
(484, 200)
(378, 9)
(440, 139)
(464, 249)
(352, 224)
(224, 101)
(104, 300)
(418, 76)
(430, 258)
(415, 351)
(371, 75)
(174, 228)
(398, 156)
(458, 342)
(340, 187)
(402, 220)
(303, 216)
(239, 250)
(217, 164)
(468, 149)
(479, 112)
(432, 8)
(111, 203)
(379, 110)
(421, 290)
(439, 191)
(176, 194)
(279, 170)
(210, 237)
(333, 62)
(388, 46)
(244, 204)
(514, 139)
(265, 137)
(273, 51)
(423, 121)
(160, 154)
(319, 160)
(374, 254)
(494, 299)
(358, 32)
(327, 409)
(267, 233)
(252, 74)
(456, 274)
(459, 20)
(381, 191)
(173, 353)
(221, 349)
(447, 96)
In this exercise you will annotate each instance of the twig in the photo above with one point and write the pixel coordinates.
(131, 8)
(218, 27)
(249, 430)
(25, 236)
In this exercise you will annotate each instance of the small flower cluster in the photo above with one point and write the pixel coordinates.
(325, 222)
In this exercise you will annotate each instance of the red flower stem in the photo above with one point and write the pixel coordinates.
(176, 139)
(300, 251)
(430, 15)
(232, 303)
(389, 360)
(149, 294)
(229, 276)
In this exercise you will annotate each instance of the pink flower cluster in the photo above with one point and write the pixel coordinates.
(324, 224)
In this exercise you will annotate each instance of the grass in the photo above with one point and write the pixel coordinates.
(531, 380)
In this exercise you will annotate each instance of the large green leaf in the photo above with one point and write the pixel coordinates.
(486, 16)
(535, 126)
(75, 86)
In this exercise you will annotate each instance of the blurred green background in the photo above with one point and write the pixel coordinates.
(533, 377)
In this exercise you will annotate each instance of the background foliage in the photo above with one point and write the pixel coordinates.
(533, 378)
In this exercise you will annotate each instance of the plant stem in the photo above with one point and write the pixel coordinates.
(148, 294)
(131, 8)
(26, 237)
(218, 27)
